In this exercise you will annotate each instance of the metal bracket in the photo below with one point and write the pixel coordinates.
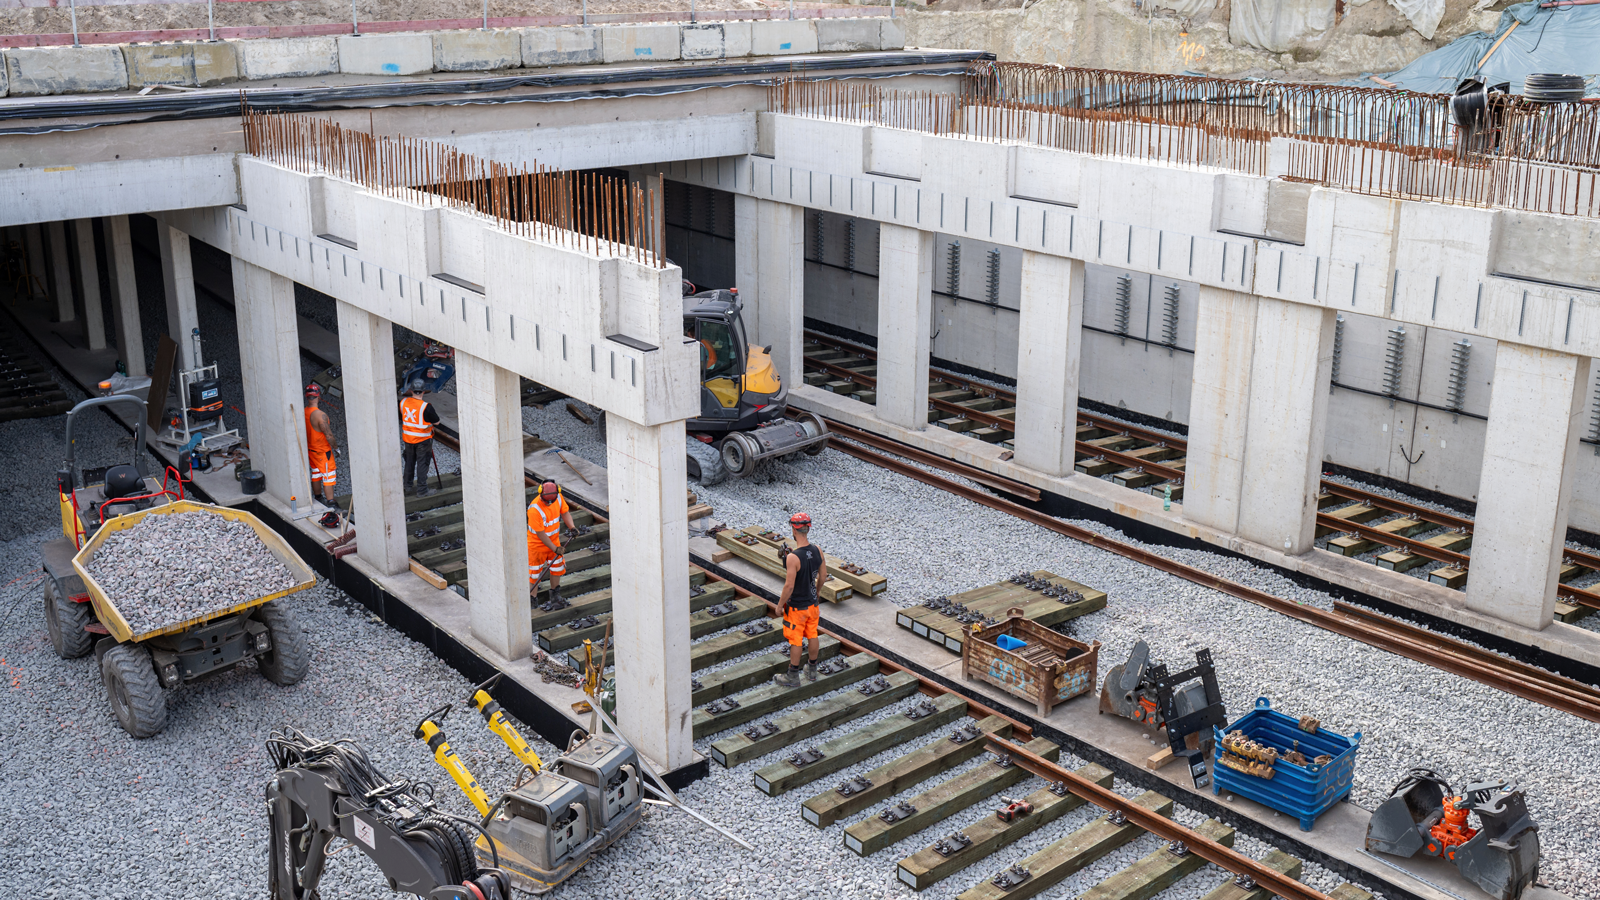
(965, 733)
(877, 684)
(583, 622)
(854, 786)
(895, 813)
(696, 590)
(1178, 848)
(726, 704)
(1003, 761)
(1245, 881)
(832, 666)
(1059, 788)
(695, 685)
(921, 710)
(721, 609)
(953, 844)
(765, 729)
(806, 757)
(1117, 817)
(1010, 878)
(759, 626)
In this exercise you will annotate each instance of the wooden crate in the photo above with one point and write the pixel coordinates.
(1051, 669)
(992, 602)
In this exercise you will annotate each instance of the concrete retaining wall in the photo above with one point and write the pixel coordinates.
(113, 67)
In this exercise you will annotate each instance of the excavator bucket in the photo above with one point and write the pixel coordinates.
(1395, 825)
(1119, 693)
(1503, 857)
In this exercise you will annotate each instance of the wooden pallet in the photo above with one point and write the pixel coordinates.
(992, 602)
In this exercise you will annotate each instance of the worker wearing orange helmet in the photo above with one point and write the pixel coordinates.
(546, 514)
(804, 574)
(320, 447)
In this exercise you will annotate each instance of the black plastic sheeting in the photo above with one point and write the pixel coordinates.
(678, 79)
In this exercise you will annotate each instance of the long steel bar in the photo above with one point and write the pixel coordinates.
(1428, 652)
(1212, 852)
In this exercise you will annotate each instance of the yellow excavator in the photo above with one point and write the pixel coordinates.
(743, 400)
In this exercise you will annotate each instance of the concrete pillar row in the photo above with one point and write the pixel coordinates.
(372, 430)
(94, 318)
(61, 271)
(125, 293)
(177, 277)
(489, 414)
(269, 363)
(650, 587)
(1526, 486)
(905, 324)
(1049, 341)
(769, 266)
(1258, 418)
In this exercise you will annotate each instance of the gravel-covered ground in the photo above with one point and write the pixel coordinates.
(930, 543)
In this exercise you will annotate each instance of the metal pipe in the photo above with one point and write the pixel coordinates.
(211, 18)
(74, 5)
(355, 26)
(485, 15)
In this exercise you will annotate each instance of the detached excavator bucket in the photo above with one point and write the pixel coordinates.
(1393, 828)
(1503, 858)
(1119, 693)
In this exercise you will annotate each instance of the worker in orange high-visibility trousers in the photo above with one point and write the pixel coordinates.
(320, 447)
(804, 575)
(417, 418)
(546, 514)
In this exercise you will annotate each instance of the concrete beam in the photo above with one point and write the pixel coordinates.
(269, 363)
(61, 272)
(650, 587)
(489, 413)
(125, 293)
(905, 319)
(1049, 340)
(177, 280)
(94, 317)
(366, 357)
(1536, 416)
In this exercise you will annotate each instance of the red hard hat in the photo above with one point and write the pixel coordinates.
(313, 390)
(800, 519)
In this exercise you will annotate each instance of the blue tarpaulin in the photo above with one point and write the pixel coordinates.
(1562, 40)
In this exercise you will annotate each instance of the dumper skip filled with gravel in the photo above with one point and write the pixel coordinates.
(171, 568)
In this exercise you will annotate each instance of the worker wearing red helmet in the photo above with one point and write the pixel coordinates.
(804, 574)
(320, 447)
(546, 514)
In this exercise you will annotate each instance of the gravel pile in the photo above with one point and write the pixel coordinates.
(172, 568)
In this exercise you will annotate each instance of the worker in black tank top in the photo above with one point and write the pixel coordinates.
(804, 573)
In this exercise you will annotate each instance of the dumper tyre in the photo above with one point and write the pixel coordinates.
(67, 621)
(134, 690)
(289, 658)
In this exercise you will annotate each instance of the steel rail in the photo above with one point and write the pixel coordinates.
(1378, 501)
(1207, 849)
(1433, 651)
(999, 483)
(1399, 542)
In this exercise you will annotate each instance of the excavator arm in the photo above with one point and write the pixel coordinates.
(324, 790)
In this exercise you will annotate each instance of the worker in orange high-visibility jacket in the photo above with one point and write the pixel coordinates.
(805, 572)
(417, 418)
(320, 449)
(546, 514)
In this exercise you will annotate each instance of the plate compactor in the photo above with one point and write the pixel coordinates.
(1425, 815)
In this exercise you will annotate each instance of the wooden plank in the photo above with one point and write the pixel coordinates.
(766, 557)
(897, 775)
(1359, 513)
(863, 743)
(1158, 871)
(1449, 576)
(993, 601)
(1355, 544)
(701, 623)
(733, 644)
(864, 582)
(1349, 892)
(771, 697)
(1277, 860)
(812, 720)
(944, 800)
(1405, 561)
(927, 867)
(430, 576)
(1052, 865)
(752, 672)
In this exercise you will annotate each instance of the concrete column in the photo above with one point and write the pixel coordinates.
(489, 413)
(769, 265)
(905, 318)
(89, 274)
(372, 427)
(1258, 417)
(36, 263)
(1521, 526)
(177, 277)
(650, 587)
(269, 363)
(61, 271)
(1049, 335)
(125, 290)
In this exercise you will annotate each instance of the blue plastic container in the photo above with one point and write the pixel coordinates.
(1304, 792)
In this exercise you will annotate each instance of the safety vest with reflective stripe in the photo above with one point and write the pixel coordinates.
(546, 519)
(413, 427)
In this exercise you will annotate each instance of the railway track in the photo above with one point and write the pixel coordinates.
(1359, 522)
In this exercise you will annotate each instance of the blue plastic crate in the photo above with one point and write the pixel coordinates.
(1304, 792)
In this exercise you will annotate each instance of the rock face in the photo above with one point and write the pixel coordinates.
(1353, 38)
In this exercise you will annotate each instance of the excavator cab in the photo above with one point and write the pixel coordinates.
(742, 397)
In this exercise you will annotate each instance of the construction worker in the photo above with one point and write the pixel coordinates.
(417, 418)
(804, 575)
(546, 514)
(320, 444)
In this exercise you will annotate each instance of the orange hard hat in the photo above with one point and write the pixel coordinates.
(800, 520)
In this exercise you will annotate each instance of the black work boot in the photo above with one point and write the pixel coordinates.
(789, 679)
(811, 671)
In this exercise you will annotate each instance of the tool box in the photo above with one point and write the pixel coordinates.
(1027, 659)
(1302, 791)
